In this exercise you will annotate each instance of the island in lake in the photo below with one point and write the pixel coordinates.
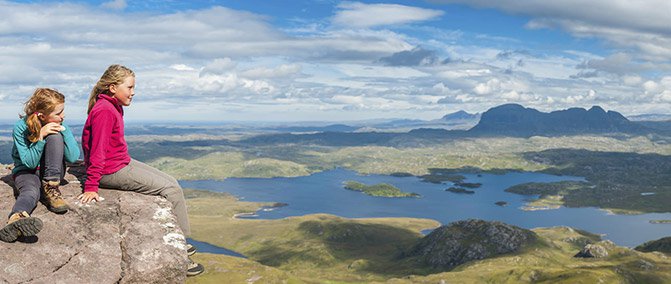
(382, 189)
(468, 184)
(459, 190)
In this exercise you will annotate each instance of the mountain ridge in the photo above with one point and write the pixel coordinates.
(517, 120)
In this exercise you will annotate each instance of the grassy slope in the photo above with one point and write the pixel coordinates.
(220, 165)
(328, 249)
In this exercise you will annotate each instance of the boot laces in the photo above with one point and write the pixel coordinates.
(53, 190)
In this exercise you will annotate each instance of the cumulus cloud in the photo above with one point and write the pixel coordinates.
(360, 15)
(417, 56)
(585, 74)
(619, 63)
(219, 60)
(284, 70)
(218, 66)
(643, 25)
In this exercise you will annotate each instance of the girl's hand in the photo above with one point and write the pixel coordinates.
(89, 196)
(50, 128)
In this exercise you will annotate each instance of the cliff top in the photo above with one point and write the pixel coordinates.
(126, 238)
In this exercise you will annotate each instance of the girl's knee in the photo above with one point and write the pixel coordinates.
(54, 138)
(173, 193)
(31, 193)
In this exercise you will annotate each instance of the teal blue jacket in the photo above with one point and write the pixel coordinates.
(27, 155)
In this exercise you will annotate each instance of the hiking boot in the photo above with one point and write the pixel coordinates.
(190, 249)
(194, 268)
(20, 224)
(53, 198)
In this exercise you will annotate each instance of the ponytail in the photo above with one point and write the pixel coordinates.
(42, 101)
(114, 75)
(34, 126)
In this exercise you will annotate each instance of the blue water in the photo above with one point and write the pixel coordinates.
(209, 248)
(324, 193)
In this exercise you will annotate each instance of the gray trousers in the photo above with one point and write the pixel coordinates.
(28, 183)
(142, 178)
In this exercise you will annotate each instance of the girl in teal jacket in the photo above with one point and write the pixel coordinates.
(42, 144)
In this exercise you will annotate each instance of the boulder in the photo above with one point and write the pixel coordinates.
(126, 238)
(598, 250)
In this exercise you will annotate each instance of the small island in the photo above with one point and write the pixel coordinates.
(660, 221)
(468, 184)
(460, 190)
(381, 190)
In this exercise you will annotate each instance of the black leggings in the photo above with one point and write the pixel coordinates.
(28, 183)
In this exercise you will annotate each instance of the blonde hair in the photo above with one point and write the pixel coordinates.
(42, 101)
(114, 75)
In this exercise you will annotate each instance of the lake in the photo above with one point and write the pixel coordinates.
(324, 193)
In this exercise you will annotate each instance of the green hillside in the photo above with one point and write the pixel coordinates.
(328, 249)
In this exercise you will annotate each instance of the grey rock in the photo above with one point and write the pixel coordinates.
(126, 238)
(593, 251)
(463, 241)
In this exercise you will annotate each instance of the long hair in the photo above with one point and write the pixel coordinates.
(114, 75)
(42, 101)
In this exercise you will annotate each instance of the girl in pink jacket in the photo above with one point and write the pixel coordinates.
(108, 163)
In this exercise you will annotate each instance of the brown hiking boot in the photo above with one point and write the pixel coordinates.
(53, 198)
(20, 224)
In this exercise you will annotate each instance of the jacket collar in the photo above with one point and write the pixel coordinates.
(112, 100)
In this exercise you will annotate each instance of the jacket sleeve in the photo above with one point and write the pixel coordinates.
(29, 153)
(71, 146)
(102, 125)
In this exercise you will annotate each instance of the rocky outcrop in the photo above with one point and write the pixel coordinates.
(661, 245)
(126, 238)
(463, 241)
(598, 250)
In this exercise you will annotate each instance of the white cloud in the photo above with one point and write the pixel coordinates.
(360, 15)
(219, 66)
(488, 87)
(284, 70)
(181, 67)
(651, 87)
(631, 80)
(219, 62)
(360, 70)
(643, 25)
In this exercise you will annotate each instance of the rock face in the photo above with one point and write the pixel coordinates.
(126, 238)
(598, 250)
(463, 241)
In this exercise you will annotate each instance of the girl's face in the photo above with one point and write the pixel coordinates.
(125, 91)
(56, 116)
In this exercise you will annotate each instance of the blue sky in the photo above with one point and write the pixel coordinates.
(340, 60)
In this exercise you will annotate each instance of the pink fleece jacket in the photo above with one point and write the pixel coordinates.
(103, 142)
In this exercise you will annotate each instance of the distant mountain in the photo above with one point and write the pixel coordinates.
(516, 120)
(460, 115)
(459, 120)
(650, 117)
(327, 128)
